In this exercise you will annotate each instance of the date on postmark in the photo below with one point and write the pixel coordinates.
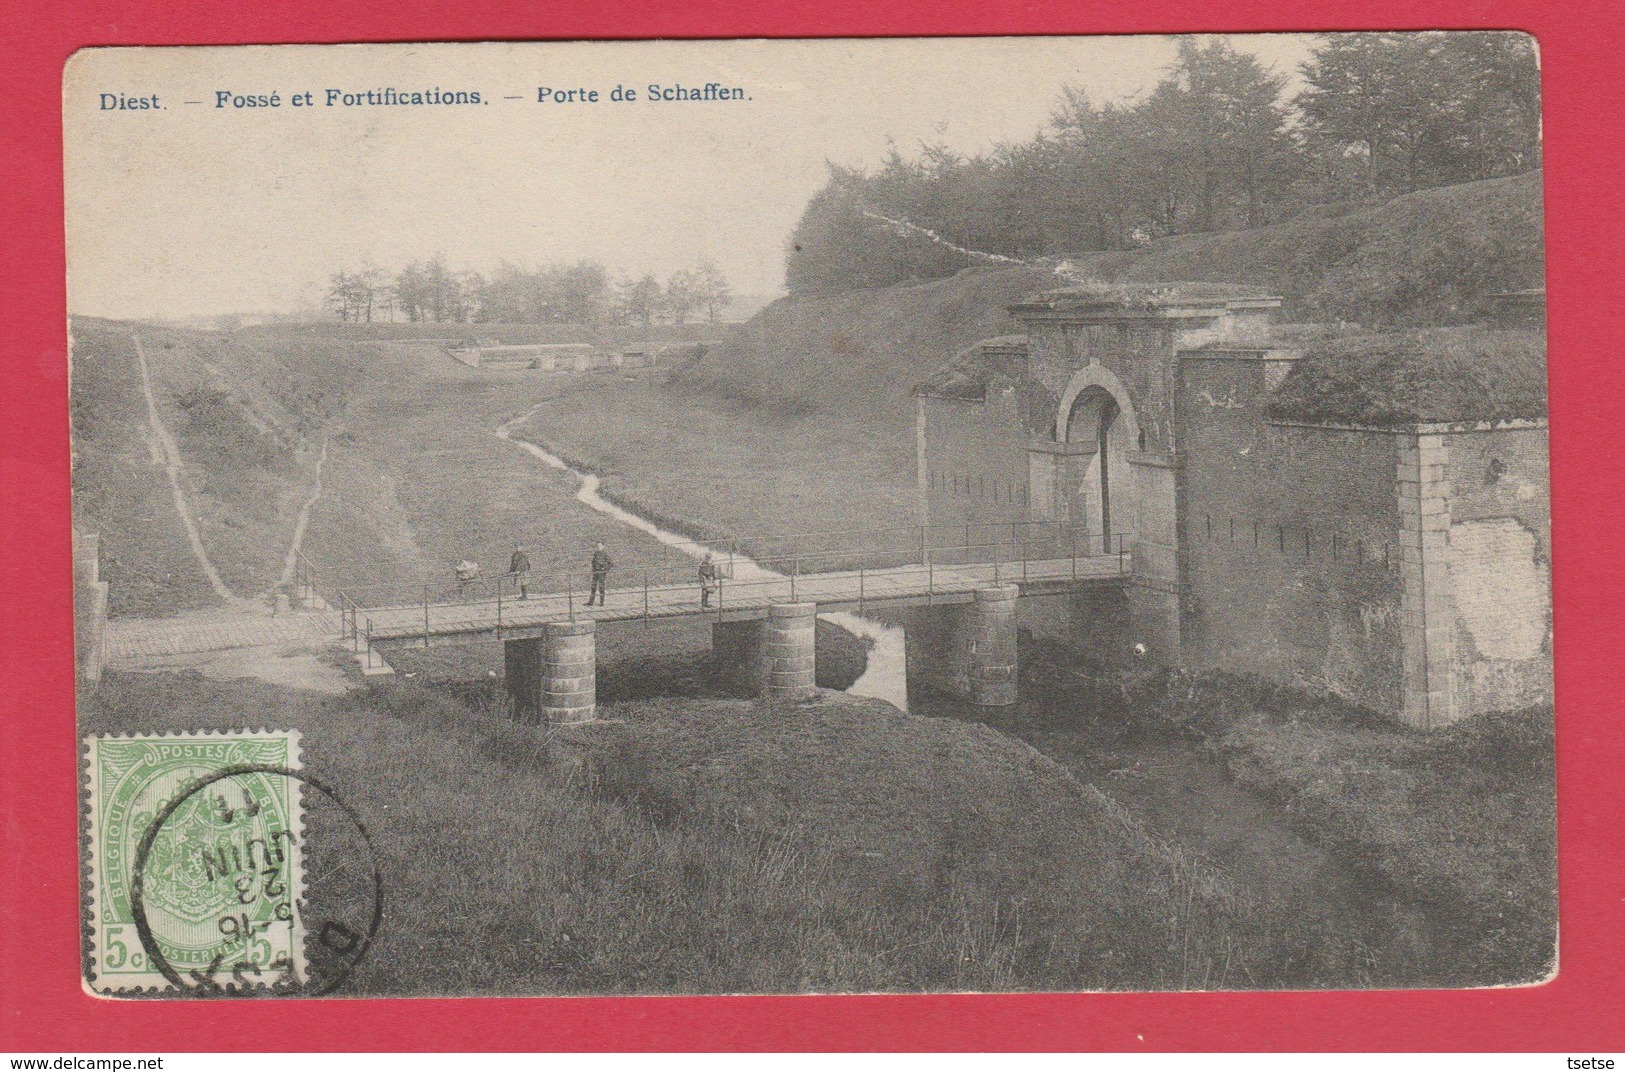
(196, 854)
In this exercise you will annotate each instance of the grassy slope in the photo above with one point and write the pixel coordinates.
(1459, 822)
(1425, 258)
(714, 468)
(816, 391)
(414, 475)
(1444, 374)
(814, 396)
(722, 846)
(418, 446)
(247, 464)
(1428, 257)
(119, 488)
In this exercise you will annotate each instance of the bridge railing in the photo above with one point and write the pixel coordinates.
(884, 573)
(815, 550)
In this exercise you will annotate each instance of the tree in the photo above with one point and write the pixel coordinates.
(639, 301)
(683, 295)
(715, 294)
(340, 294)
(581, 292)
(354, 295)
(1425, 109)
(412, 292)
(368, 286)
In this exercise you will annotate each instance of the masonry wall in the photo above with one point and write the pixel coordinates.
(1291, 540)
(975, 455)
(89, 608)
(1142, 351)
(1500, 568)
(1139, 352)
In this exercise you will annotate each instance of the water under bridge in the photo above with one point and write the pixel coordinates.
(763, 600)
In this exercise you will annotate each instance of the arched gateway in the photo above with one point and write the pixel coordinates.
(1097, 492)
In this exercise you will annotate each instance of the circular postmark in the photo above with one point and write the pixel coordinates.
(245, 884)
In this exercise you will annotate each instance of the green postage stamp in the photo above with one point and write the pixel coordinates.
(195, 878)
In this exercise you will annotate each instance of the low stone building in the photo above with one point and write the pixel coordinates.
(1366, 516)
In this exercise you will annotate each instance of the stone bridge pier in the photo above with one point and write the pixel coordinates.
(553, 678)
(774, 657)
(967, 649)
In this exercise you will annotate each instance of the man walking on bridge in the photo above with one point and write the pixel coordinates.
(601, 565)
(519, 567)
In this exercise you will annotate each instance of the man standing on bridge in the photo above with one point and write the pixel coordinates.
(708, 580)
(601, 566)
(519, 566)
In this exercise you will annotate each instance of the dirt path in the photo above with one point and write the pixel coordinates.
(290, 561)
(173, 467)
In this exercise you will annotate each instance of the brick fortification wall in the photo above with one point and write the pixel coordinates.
(1291, 539)
(1499, 568)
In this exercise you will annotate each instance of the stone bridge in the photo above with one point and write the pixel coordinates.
(763, 617)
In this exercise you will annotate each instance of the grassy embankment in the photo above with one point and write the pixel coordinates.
(248, 445)
(119, 486)
(814, 392)
(722, 846)
(1456, 829)
(414, 475)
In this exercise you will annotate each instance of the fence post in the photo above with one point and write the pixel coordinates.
(425, 615)
(645, 597)
(1072, 549)
(499, 606)
(570, 595)
(369, 643)
(925, 551)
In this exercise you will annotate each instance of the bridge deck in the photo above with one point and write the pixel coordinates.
(736, 598)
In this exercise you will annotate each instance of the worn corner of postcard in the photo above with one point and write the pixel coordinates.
(195, 879)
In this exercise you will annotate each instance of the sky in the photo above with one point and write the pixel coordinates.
(184, 209)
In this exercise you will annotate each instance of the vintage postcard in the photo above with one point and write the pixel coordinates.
(820, 516)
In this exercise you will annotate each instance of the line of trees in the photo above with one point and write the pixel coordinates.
(580, 293)
(1216, 144)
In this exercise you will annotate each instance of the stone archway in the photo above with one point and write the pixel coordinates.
(1095, 489)
(1103, 378)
